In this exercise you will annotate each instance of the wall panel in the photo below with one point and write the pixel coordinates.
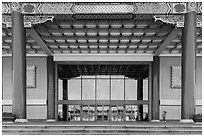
(36, 110)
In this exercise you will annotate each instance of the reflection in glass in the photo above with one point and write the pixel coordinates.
(130, 89)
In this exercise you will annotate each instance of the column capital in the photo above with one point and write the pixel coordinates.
(15, 6)
(194, 6)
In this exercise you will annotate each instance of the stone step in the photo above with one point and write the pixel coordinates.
(103, 126)
(68, 129)
(102, 131)
(75, 130)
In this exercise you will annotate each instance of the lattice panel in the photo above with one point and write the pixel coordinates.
(103, 8)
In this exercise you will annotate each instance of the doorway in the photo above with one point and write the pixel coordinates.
(107, 93)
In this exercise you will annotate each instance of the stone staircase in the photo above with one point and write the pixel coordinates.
(107, 129)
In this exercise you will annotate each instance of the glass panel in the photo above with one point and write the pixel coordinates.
(130, 89)
(71, 112)
(120, 113)
(129, 114)
(74, 89)
(114, 113)
(103, 76)
(105, 113)
(135, 113)
(117, 89)
(85, 116)
(99, 113)
(117, 76)
(60, 114)
(145, 112)
(92, 113)
(103, 89)
(74, 112)
(88, 89)
(60, 90)
(145, 89)
(77, 113)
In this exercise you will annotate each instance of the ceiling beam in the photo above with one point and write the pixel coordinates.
(168, 39)
(103, 57)
(32, 32)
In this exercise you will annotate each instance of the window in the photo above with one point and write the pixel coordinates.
(74, 89)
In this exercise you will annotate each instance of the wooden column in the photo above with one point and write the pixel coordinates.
(18, 66)
(188, 66)
(140, 96)
(155, 87)
(65, 97)
(50, 89)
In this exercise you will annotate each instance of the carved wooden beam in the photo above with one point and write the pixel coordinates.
(165, 43)
(101, 8)
(28, 20)
(39, 41)
(168, 12)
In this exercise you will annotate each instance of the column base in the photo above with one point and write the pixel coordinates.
(50, 120)
(21, 121)
(187, 121)
(155, 121)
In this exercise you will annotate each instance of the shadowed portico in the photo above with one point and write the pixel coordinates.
(102, 32)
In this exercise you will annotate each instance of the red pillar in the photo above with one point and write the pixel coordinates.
(188, 66)
(18, 67)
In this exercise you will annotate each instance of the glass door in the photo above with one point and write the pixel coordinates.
(105, 113)
(99, 113)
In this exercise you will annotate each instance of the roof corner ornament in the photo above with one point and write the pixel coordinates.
(29, 21)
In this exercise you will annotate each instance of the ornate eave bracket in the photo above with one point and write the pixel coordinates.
(177, 20)
(28, 20)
